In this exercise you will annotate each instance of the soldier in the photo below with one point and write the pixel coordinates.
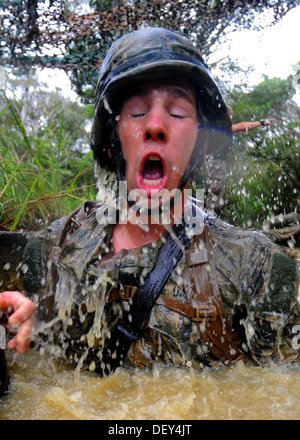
(147, 277)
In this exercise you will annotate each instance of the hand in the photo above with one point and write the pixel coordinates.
(266, 121)
(21, 318)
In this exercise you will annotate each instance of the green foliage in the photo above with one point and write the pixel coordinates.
(44, 172)
(264, 167)
(265, 100)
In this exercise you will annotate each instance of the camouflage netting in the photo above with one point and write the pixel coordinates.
(33, 33)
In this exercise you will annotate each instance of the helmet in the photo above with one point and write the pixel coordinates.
(154, 53)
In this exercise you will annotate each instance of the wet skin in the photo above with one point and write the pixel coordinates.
(158, 129)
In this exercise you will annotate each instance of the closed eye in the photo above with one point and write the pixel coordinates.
(174, 115)
(138, 115)
(179, 110)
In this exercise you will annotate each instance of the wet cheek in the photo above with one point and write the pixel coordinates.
(136, 134)
(128, 134)
(131, 153)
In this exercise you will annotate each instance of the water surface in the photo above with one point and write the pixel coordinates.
(42, 389)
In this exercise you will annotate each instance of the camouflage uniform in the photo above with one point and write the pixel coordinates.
(257, 282)
(253, 289)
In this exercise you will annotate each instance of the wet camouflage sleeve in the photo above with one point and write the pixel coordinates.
(259, 286)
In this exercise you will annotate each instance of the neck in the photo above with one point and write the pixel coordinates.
(133, 234)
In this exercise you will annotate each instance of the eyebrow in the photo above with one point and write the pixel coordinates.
(182, 93)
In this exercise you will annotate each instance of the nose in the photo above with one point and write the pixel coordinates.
(155, 127)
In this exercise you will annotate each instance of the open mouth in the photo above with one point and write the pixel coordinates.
(152, 175)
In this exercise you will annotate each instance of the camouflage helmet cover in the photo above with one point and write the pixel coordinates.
(154, 53)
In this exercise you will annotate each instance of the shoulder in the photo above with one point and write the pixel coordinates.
(40, 244)
(252, 261)
(244, 241)
(62, 229)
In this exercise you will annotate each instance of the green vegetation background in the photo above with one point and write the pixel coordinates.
(46, 167)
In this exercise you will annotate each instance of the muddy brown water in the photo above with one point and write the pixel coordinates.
(43, 389)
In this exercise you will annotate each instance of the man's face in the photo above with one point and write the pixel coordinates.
(158, 128)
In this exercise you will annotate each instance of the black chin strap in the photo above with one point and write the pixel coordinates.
(132, 323)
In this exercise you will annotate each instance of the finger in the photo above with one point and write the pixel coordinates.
(24, 312)
(11, 299)
(23, 307)
(21, 341)
(11, 345)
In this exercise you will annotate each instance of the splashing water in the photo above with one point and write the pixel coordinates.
(47, 390)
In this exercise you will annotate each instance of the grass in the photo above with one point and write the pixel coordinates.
(35, 188)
